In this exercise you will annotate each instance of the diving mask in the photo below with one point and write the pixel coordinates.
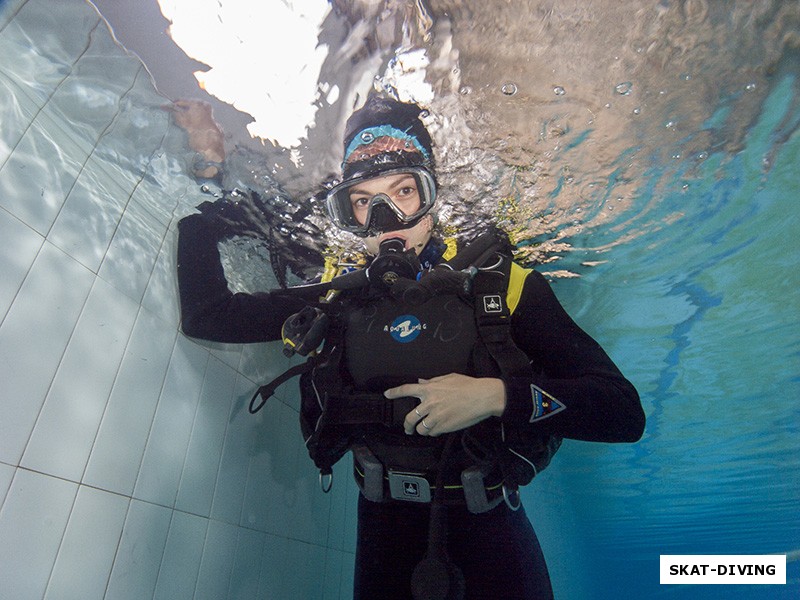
(386, 201)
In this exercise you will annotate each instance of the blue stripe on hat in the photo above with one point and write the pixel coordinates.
(370, 134)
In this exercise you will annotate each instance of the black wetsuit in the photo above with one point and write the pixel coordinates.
(497, 551)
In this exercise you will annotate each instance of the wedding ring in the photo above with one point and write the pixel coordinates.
(424, 425)
(417, 412)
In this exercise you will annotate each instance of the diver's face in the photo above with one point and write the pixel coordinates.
(400, 188)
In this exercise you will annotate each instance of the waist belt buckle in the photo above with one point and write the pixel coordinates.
(412, 487)
(475, 493)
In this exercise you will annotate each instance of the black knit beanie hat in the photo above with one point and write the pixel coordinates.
(385, 134)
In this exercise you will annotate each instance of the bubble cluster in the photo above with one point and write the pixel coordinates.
(559, 91)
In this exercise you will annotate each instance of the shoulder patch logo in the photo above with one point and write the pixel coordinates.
(544, 405)
(492, 304)
(405, 328)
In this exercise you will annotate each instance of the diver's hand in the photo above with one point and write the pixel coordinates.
(205, 135)
(241, 213)
(451, 402)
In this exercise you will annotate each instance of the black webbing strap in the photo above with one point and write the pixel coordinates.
(368, 409)
(266, 390)
(493, 319)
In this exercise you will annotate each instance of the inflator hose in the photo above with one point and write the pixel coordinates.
(436, 577)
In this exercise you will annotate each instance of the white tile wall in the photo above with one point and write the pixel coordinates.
(20, 246)
(177, 576)
(32, 523)
(130, 467)
(82, 385)
(89, 545)
(140, 552)
(33, 337)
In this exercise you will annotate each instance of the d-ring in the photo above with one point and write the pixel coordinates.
(325, 482)
(512, 498)
(424, 425)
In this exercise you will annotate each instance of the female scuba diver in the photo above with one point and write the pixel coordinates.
(451, 378)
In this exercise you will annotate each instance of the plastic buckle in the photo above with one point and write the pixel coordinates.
(372, 484)
(473, 480)
(412, 487)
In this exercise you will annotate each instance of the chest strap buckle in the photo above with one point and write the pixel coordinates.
(412, 487)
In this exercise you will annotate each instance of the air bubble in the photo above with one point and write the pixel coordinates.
(670, 125)
(509, 89)
(465, 91)
(702, 156)
(624, 88)
(367, 137)
(750, 87)
(559, 91)
(637, 111)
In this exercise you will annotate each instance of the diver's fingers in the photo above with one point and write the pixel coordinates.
(413, 417)
(426, 428)
(407, 389)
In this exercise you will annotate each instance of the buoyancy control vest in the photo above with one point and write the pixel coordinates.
(455, 319)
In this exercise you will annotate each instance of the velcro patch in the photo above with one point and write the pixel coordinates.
(492, 304)
(544, 405)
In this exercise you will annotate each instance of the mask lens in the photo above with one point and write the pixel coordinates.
(408, 194)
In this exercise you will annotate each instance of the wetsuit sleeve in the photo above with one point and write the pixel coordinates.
(577, 391)
(209, 310)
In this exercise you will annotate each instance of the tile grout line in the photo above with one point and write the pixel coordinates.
(110, 394)
(19, 8)
(136, 187)
(228, 422)
(63, 352)
(191, 433)
(155, 409)
(41, 108)
(155, 414)
(30, 266)
(61, 541)
(94, 146)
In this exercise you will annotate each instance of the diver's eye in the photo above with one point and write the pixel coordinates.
(407, 190)
(359, 201)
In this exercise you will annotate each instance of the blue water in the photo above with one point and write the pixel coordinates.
(704, 316)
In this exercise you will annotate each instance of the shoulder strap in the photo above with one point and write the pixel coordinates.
(493, 318)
